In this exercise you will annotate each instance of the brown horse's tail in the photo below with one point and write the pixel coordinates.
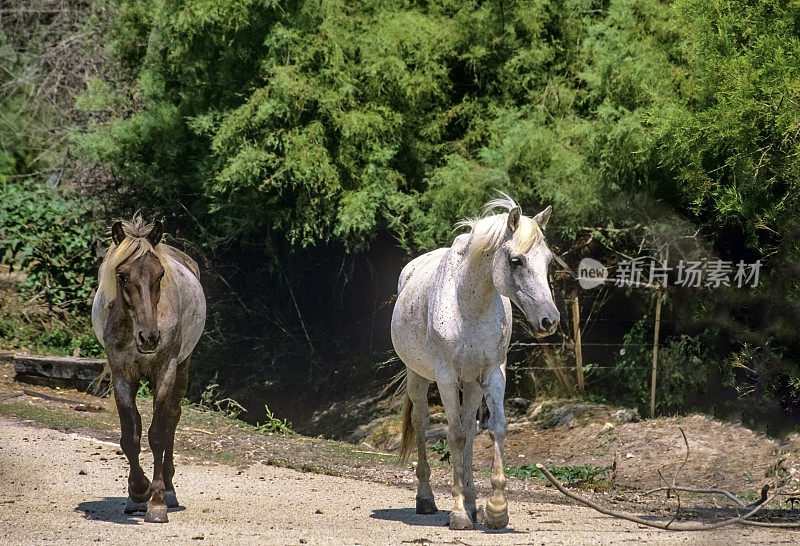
(408, 430)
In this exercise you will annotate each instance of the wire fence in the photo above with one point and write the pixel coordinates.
(584, 317)
(583, 343)
(592, 367)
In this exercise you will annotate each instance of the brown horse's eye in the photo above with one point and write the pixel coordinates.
(122, 278)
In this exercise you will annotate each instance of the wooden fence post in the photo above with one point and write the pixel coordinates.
(659, 292)
(576, 327)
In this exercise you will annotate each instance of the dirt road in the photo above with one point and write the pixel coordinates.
(60, 487)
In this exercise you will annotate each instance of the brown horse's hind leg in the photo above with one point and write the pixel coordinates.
(131, 424)
(173, 416)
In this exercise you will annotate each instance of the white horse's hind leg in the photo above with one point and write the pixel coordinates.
(417, 389)
(494, 386)
(471, 396)
(456, 438)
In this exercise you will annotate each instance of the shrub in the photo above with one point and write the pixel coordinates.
(49, 237)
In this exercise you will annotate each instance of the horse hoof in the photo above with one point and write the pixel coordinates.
(156, 514)
(139, 497)
(426, 505)
(460, 521)
(131, 506)
(495, 519)
(171, 499)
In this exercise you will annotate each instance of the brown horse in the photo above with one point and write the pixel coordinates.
(148, 313)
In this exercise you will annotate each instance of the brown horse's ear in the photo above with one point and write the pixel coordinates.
(156, 233)
(117, 233)
(513, 219)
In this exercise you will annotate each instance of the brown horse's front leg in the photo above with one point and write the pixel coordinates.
(131, 424)
(173, 416)
(157, 508)
(170, 498)
(157, 435)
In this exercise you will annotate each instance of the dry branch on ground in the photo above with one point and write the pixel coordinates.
(743, 519)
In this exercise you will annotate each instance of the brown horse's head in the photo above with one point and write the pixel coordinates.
(138, 273)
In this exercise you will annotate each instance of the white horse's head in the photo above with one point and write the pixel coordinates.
(520, 259)
(519, 269)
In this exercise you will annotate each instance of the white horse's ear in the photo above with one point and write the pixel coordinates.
(513, 219)
(543, 217)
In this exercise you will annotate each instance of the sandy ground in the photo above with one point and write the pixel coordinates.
(67, 488)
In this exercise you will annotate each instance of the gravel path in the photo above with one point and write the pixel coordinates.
(67, 488)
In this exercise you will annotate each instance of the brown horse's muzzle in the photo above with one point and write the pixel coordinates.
(147, 342)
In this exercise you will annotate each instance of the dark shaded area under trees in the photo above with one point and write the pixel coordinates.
(302, 151)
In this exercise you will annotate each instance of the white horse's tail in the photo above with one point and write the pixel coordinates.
(408, 430)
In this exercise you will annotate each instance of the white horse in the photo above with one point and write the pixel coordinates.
(452, 324)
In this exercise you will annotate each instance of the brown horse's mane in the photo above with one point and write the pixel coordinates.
(134, 246)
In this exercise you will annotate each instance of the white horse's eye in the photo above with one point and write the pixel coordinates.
(515, 261)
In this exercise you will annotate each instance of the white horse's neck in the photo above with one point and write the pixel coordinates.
(475, 290)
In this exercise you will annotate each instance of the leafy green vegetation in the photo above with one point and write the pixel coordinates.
(442, 449)
(47, 225)
(568, 475)
(210, 400)
(144, 390)
(302, 150)
(49, 237)
(46, 239)
(42, 334)
(273, 424)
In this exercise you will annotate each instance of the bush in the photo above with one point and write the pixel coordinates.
(48, 237)
(685, 363)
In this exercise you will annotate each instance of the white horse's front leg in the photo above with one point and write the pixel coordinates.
(471, 396)
(494, 387)
(456, 438)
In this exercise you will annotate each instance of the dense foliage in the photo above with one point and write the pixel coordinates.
(50, 238)
(343, 119)
(294, 144)
(47, 228)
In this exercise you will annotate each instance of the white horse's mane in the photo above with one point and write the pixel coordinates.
(132, 247)
(488, 231)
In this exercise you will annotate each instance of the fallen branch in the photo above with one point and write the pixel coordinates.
(742, 519)
(711, 491)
